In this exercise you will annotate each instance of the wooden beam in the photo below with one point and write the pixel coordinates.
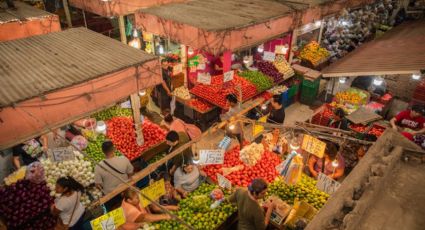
(67, 13)
(121, 25)
(135, 106)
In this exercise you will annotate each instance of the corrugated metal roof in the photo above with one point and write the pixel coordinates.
(215, 15)
(36, 65)
(399, 51)
(24, 12)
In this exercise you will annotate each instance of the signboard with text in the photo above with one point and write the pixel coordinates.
(153, 191)
(211, 156)
(223, 182)
(62, 154)
(269, 56)
(204, 78)
(109, 221)
(228, 76)
(313, 146)
(327, 184)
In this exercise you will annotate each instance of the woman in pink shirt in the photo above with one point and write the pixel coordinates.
(135, 215)
(332, 164)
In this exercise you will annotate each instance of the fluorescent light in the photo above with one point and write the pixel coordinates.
(378, 81)
(416, 76)
(246, 60)
(342, 80)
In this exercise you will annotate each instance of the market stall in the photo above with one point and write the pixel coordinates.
(26, 21)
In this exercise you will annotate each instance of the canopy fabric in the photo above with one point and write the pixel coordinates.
(399, 51)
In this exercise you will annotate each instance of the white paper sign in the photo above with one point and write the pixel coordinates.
(228, 76)
(62, 154)
(211, 156)
(177, 69)
(204, 78)
(108, 224)
(201, 66)
(327, 184)
(223, 182)
(269, 56)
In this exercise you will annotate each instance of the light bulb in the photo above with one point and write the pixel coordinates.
(135, 42)
(195, 161)
(190, 51)
(335, 164)
(260, 48)
(264, 107)
(342, 80)
(135, 33)
(161, 49)
(232, 127)
(246, 60)
(344, 23)
(378, 81)
(416, 76)
(142, 92)
(318, 23)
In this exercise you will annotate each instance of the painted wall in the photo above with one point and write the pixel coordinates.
(23, 29)
(36, 116)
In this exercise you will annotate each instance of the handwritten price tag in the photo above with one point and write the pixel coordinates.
(313, 146)
(280, 50)
(327, 184)
(153, 191)
(61, 154)
(204, 78)
(269, 56)
(223, 182)
(212, 156)
(110, 221)
(228, 76)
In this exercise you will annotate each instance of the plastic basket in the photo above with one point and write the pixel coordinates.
(307, 99)
(293, 90)
(284, 97)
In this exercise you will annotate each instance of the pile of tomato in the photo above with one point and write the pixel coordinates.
(122, 133)
(216, 92)
(265, 168)
(200, 105)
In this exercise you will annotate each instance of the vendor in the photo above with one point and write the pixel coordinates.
(232, 101)
(339, 121)
(172, 123)
(28, 151)
(218, 65)
(250, 213)
(107, 172)
(175, 140)
(277, 113)
(187, 177)
(164, 90)
(235, 127)
(275, 142)
(410, 122)
(136, 216)
(332, 164)
(171, 197)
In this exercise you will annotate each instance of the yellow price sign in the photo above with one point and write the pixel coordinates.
(153, 191)
(313, 146)
(257, 129)
(110, 221)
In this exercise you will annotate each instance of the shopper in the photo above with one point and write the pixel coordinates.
(171, 198)
(410, 122)
(251, 214)
(235, 127)
(175, 140)
(232, 101)
(178, 125)
(277, 113)
(275, 142)
(332, 164)
(107, 172)
(68, 206)
(135, 215)
(339, 121)
(28, 151)
(187, 177)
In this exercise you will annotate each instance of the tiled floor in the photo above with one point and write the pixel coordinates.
(297, 112)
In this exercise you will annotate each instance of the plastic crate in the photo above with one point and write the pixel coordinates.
(284, 97)
(307, 99)
(293, 90)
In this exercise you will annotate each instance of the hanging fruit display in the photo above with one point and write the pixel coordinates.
(313, 53)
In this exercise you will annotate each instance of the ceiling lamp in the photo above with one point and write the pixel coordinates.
(342, 80)
(378, 81)
(190, 51)
(260, 48)
(318, 23)
(142, 93)
(416, 76)
(161, 49)
(246, 60)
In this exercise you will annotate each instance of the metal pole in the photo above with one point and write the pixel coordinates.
(121, 24)
(84, 17)
(67, 13)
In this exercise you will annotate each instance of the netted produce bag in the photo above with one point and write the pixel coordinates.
(252, 153)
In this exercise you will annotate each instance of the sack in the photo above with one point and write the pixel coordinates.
(193, 131)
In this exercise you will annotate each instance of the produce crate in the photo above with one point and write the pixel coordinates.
(309, 91)
(307, 99)
(284, 97)
(293, 90)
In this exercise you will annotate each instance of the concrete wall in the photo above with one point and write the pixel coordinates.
(401, 86)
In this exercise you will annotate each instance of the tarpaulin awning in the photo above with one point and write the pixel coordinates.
(219, 25)
(25, 21)
(399, 51)
(51, 80)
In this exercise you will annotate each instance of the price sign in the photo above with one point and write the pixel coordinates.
(257, 129)
(212, 156)
(177, 69)
(269, 56)
(276, 218)
(153, 191)
(313, 146)
(280, 50)
(327, 184)
(223, 182)
(204, 78)
(62, 154)
(228, 76)
(201, 66)
(110, 221)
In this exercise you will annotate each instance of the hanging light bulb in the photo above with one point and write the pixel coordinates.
(342, 80)
(378, 81)
(135, 42)
(260, 48)
(190, 51)
(232, 127)
(294, 146)
(142, 92)
(246, 60)
(416, 76)
(135, 33)
(318, 23)
(335, 164)
(100, 127)
(264, 107)
(161, 49)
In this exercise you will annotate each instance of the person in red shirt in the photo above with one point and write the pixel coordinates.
(411, 122)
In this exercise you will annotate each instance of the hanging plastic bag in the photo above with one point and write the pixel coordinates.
(35, 172)
(33, 148)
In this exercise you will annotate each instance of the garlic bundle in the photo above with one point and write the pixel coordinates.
(252, 153)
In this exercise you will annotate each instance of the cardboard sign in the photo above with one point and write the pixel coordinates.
(153, 191)
(258, 129)
(327, 184)
(228, 76)
(110, 221)
(178, 68)
(204, 78)
(276, 218)
(280, 50)
(62, 154)
(269, 56)
(211, 156)
(223, 182)
(313, 146)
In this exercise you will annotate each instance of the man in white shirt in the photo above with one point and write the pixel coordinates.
(107, 172)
